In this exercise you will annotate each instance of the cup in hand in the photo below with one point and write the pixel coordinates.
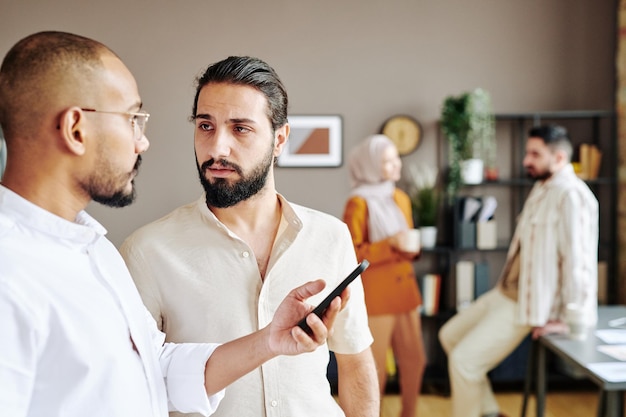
(410, 240)
(575, 320)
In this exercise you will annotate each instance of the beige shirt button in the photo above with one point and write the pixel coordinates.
(274, 403)
(245, 254)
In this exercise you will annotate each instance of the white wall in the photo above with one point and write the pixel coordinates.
(363, 59)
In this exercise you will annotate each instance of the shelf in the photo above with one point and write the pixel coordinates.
(437, 250)
(563, 114)
(441, 315)
(526, 182)
(502, 247)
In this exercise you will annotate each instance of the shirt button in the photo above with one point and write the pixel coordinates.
(245, 254)
(274, 403)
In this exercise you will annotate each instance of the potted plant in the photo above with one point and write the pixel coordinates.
(467, 122)
(425, 201)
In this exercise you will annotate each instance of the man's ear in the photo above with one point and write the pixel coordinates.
(280, 139)
(560, 156)
(72, 130)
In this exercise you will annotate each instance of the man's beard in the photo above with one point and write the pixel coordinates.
(118, 198)
(221, 194)
(540, 176)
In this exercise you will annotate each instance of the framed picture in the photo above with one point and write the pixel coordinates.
(314, 141)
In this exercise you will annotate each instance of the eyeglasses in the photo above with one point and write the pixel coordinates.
(137, 119)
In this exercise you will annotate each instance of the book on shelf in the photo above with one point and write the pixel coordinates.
(430, 287)
(588, 165)
(472, 281)
(464, 284)
(481, 279)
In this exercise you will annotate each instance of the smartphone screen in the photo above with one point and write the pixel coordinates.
(321, 307)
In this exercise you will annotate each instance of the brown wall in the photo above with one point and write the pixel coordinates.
(363, 59)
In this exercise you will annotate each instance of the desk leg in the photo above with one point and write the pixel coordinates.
(602, 403)
(613, 403)
(531, 371)
(541, 379)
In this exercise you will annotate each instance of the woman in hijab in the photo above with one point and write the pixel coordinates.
(379, 218)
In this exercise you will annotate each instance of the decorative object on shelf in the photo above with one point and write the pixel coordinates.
(472, 171)
(404, 131)
(468, 123)
(314, 141)
(425, 202)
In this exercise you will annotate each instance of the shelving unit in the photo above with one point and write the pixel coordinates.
(511, 190)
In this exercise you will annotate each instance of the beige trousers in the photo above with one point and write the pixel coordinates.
(476, 340)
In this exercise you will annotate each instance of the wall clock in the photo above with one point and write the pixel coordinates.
(404, 131)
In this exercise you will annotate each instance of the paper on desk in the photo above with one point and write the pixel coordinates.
(616, 351)
(612, 336)
(610, 371)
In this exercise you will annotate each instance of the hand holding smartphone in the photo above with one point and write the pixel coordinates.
(321, 307)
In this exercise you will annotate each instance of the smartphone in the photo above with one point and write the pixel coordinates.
(321, 307)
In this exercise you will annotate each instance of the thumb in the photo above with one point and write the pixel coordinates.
(309, 289)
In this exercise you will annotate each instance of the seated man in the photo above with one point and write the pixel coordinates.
(551, 262)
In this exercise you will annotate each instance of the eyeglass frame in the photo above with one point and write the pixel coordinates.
(134, 120)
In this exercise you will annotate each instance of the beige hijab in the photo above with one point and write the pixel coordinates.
(366, 176)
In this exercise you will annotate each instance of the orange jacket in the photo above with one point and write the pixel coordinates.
(389, 282)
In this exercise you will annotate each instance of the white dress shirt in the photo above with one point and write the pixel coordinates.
(76, 339)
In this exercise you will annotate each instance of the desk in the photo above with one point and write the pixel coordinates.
(580, 353)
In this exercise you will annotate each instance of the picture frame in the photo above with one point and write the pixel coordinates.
(314, 141)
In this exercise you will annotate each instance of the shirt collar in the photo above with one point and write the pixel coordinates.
(564, 174)
(288, 213)
(83, 230)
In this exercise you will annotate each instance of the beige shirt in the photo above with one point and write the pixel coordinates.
(201, 282)
(557, 240)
